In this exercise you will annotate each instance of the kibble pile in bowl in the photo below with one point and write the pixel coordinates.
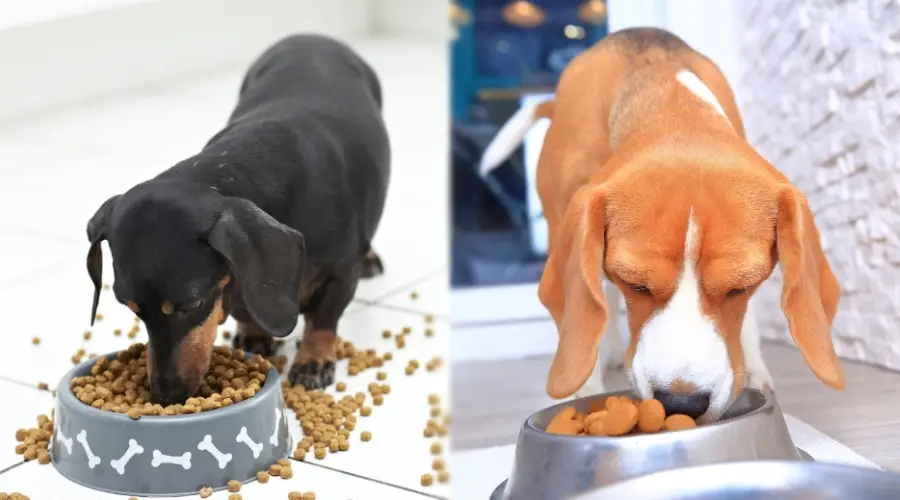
(618, 416)
(122, 385)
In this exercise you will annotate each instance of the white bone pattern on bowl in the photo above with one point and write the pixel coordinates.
(67, 442)
(160, 458)
(274, 437)
(243, 437)
(207, 445)
(93, 460)
(133, 449)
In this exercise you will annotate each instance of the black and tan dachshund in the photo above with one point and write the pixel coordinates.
(272, 219)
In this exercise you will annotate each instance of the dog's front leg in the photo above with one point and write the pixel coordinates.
(315, 361)
(758, 376)
(611, 352)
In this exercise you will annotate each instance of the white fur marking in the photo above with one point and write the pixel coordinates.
(679, 342)
(699, 89)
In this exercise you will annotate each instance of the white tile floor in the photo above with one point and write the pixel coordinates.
(55, 171)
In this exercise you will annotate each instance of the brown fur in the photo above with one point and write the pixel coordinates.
(195, 350)
(629, 153)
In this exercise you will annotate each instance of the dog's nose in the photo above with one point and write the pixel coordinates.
(690, 404)
(167, 390)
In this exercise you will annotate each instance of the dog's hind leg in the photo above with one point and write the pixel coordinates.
(249, 336)
(314, 364)
(371, 265)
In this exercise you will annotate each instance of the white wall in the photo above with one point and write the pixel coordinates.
(55, 58)
(821, 101)
(426, 19)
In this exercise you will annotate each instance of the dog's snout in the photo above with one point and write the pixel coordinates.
(167, 389)
(690, 404)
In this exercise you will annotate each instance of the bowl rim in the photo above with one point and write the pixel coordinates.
(530, 427)
(67, 400)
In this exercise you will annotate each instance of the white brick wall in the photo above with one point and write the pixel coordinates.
(820, 94)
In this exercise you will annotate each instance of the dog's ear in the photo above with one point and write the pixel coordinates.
(570, 289)
(267, 259)
(96, 233)
(810, 292)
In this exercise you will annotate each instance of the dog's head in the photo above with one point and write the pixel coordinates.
(178, 253)
(687, 241)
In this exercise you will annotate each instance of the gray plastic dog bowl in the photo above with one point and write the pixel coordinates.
(763, 480)
(167, 455)
(553, 467)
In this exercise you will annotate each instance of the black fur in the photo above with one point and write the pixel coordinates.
(288, 195)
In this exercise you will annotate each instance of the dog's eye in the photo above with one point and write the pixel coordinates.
(638, 288)
(734, 292)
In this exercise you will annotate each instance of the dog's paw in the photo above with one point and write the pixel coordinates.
(265, 346)
(312, 374)
(759, 378)
(590, 388)
(372, 265)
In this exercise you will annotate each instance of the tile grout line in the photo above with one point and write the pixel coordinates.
(501, 322)
(373, 480)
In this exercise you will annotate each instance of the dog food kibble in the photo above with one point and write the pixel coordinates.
(438, 464)
(652, 416)
(234, 486)
(365, 436)
(436, 448)
(43, 386)
(206, 492)
(386, 334)
(426, 480)
(295, 495)
(618, 416)
(679, 422)
(287, 473)
(235, 496)
(36, 340)
(429, 332)
(87, 335)
(443, 477)
(377, 400)
(121, 384)
(99, 317)
(365, 411)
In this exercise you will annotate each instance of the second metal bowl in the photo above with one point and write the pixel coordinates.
(553, 467)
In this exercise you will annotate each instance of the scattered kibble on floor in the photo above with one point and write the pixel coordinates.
(234, 486)
(86, 335)
(426, 480)
(414, 295)
(206, 492)
(35, 340)
(43, 386)
(117, 332)
(99, 317)
(365, 436)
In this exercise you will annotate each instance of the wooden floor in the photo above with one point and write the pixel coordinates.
(491, 400)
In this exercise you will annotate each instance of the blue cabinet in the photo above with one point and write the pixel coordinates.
(490, 55)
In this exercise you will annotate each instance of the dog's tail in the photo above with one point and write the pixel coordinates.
(512, 133)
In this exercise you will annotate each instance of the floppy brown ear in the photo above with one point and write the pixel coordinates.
(810, 292)
(570, 289)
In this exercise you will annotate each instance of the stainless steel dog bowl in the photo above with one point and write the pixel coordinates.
(167, 455)
(765, 480)
(552, 467)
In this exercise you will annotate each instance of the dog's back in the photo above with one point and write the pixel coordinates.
(307, 133)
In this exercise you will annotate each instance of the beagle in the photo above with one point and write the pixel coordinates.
(645, 176)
